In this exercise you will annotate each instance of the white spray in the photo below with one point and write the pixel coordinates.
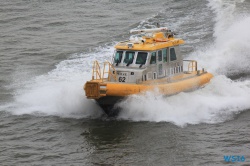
(60, 92)
(221, 98)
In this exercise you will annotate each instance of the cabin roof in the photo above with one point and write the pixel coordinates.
(155, 42)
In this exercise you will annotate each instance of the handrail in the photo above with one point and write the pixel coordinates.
(192, 66)
(96, 71)
(98, 74)
(108, 72)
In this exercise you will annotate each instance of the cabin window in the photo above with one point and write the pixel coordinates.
(160, 55)
(160, 69)
(129, 57)
(154, 76)
(172, 54)
(164, 51)
(144, 77)
(141, 58)
(153, 58)
(118, 56)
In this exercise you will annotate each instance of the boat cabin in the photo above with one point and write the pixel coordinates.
(152, 56)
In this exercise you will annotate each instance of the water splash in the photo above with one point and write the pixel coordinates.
(60, 92)
(212, 104)
(229, 54)
(221, 99)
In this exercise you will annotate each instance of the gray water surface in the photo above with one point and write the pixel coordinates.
(46, 53)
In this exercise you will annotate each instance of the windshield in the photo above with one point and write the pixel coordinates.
(118, 57)
(141, 58)
(129, 57)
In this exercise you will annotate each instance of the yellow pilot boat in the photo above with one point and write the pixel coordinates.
(150, 59)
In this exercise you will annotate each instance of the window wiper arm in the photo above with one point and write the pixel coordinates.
(129, 62)
(142, 64)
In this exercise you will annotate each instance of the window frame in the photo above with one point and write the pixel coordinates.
(121, 56)
(128, 58)
(145, 62)
(154, 58)
(159, 56)
(166, 55)
(170, 54)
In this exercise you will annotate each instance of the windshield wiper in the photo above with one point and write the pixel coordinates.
(129, 62)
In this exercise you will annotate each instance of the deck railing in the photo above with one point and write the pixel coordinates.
(96, 71)
(106, 70)
(192, 65)
(105, 74)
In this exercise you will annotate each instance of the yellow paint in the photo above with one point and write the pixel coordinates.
(166, 88)
(100, 87)
(158, 41)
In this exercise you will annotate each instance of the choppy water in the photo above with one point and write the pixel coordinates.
(46, 52)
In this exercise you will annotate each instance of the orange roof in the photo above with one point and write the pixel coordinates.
(156, 42)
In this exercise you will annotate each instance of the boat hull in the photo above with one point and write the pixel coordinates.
(109, 93)
(165, 87)
(108, 104)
